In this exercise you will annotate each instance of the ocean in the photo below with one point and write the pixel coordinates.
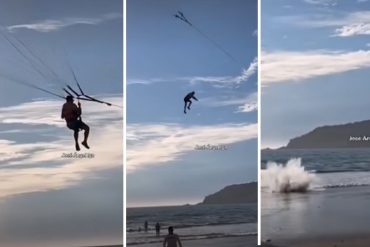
(334, 197)
(191, 222)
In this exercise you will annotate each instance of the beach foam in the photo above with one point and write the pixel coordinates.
(291, 177)
(343, 180)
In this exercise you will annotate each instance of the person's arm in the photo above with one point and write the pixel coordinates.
(195, 98)
(62, 115)
(165, 242)
(178, 240)
(79, 109)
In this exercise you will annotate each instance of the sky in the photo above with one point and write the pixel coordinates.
(45, 199)
(166, 59)
(315, 65)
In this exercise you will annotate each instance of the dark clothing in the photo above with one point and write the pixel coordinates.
(70, 112)
(172, 240)
(157, 228)
(146, 226)
(76, 125)
(187, 100)
(189, 96)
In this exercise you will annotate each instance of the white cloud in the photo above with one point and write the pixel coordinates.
(322, 2)
(33, 113)
(246, 104)
(22, 171)
(357, 17)
(248, 107)
(146, 81)
(247, 73)
(288, 66)
(310, 21)
(250, 104)
(223, 101)
(217, 81)
(351, 24)
(229, 80)
(326, 20)
(55, 25)
(353, 29)
(155, 144)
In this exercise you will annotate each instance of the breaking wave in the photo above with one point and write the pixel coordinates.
(291, 177)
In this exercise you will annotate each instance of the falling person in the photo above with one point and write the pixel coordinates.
(187, 100)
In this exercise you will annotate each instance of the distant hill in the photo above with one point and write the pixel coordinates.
(350, 135)
(234, 194)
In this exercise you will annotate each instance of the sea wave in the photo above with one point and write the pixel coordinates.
(184, 226)
(192, 233)
(153, 240)
(286, 178)
(342, 180)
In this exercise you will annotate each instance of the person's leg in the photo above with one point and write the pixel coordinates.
(75, 135)
(86, 129)
(185, 102)
(73, 125)
(189, 104)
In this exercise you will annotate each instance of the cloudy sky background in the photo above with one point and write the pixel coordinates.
(166, 60)
(47, 200)
(315, 61)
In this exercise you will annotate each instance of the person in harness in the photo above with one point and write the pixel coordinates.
(72, 114)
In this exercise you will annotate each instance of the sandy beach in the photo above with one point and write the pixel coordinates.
(119, 245)
(332, 217)
(242, 241)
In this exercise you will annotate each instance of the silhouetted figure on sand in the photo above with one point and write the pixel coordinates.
(146, 226)
(72, 114)
(171, 240)
(187, 100)
(157, 229)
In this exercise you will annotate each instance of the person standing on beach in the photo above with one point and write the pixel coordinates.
(171, 239)
(157, 229)
(146, 226)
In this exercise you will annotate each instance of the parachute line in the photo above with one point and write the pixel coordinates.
(40, 67)
(180, 15)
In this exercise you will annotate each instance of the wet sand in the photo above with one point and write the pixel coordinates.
(107, 246)
(334, 217)
(338, 241)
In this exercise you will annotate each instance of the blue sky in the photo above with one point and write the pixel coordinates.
(166, 59)
(46, 200)
(315, 61)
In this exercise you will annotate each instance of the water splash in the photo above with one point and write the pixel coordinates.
(291, 177)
